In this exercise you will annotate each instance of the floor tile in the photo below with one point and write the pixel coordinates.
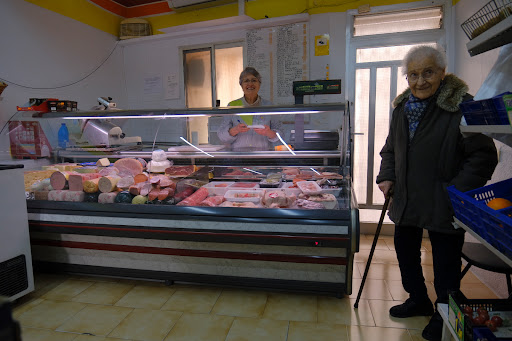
(254, 329)
(380, 311)
(200, 327)
(67, 290)
(379, 256)
(46, 282)
(194, 299)
(366, 244)
(397, 290)
(291, 307)
(416, 335)
(309, 331)
(243, 303)
(98, 338)
(96, 320)
(359, 333)
(477, 290)
(146, 297)
(342, 311)
(50, 314)
(426, 258)
(374, 289)
(20, 308)
(147, 325)
(380, 271)
(103, 293)
(33, 334)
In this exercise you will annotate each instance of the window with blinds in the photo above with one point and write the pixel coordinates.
(401, 21)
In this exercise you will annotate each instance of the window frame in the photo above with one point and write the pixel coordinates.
(443, 37)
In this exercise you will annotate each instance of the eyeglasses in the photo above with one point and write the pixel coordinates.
(254, 80)
(427, 75)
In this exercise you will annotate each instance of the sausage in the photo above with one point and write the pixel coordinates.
(76, 181)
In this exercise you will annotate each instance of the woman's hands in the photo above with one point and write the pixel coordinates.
(241, 128)
(266, 132)
(386, 186)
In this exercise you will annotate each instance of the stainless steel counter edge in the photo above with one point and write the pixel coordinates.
(198, 155)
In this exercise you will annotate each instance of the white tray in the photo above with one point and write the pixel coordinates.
(213, 190)
(238, 195)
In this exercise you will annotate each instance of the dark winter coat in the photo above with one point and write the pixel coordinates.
(437, 157)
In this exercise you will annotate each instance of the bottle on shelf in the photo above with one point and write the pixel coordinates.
(63, 136)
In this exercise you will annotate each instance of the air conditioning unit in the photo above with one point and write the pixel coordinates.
(134, 28)
(189, 5)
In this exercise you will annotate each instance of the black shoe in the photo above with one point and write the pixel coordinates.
(410, 308)
(434, 329)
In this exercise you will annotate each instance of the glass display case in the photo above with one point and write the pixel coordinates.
(198, 207)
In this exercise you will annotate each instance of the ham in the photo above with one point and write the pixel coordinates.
(76, 181)
(109, 171)
(59, 180)
(125, 182)
(107, 198)
(164, 193)
(128, 166)
(180, 170)
(196, 198)
(153, 194)
(212, 201)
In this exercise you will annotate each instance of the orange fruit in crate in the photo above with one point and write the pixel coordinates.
(499, 203)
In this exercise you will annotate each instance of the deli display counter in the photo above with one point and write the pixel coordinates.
(180, 205)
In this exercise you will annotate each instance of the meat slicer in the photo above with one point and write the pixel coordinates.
(106, 133)
(103, 132)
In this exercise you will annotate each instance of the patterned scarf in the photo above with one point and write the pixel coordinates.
(414, 110)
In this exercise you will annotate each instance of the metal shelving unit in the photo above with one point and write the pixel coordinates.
(496, 36)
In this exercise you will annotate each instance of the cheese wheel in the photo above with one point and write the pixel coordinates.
(91, 186)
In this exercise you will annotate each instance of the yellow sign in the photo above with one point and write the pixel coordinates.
(322, 45)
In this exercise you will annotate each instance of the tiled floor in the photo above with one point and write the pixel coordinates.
(92, 308)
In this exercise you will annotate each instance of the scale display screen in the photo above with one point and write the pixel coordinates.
(318, 87)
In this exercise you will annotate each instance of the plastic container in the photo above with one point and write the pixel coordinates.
(218, 187)
(490, 111)
(270, 183)
(244, 195)
(289, 190)
(242, 185)
(63, 136)
(495, 226)
(309, 187)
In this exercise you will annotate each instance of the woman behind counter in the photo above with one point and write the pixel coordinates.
(237, 130)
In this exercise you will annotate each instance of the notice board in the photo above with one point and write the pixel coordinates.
(281, 56)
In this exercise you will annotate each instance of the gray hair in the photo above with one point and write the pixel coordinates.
(249, 71)
(424, 51)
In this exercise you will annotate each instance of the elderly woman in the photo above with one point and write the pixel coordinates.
(255, 132)
(425, 152)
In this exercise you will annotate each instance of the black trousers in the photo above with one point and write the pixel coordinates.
(446, 254)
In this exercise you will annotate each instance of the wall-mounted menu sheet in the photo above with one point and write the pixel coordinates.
(280, 54)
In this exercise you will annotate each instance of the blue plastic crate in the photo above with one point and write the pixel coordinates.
(495, 226)
(490, 111)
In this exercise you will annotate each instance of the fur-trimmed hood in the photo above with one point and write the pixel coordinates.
(451, 95)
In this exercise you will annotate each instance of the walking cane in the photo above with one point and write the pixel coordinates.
(379, 226)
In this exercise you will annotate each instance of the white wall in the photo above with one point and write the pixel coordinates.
(472, 70)
(47, 55)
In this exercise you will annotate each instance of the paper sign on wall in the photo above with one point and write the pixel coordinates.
(322, 45)
(172, 90)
